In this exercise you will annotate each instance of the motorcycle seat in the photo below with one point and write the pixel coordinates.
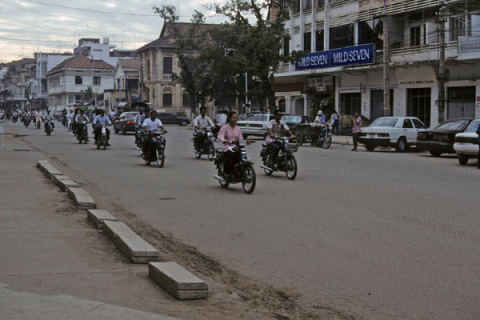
(264, 144)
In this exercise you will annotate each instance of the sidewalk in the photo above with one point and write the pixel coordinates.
(343, 140)
(55, 264)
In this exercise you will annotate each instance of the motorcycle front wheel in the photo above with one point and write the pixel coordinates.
(291, 168)
(319, 142)
(328, 142)
(249, 179)
(210, 151)
(268, 172)
(104, 142)
(160, 157)
(223, 184)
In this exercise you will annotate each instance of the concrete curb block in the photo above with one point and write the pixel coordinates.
(41, 163)
(64, 184)
(177, 281)
(81, 198)
(99, 216)
(129, 243)
(51, 170)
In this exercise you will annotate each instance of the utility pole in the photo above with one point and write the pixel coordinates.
(441, 65)
(386, 82)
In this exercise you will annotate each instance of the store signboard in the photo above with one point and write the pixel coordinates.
(364, 54)
(321, 84)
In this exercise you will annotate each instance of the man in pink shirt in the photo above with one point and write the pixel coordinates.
(356, 128)
(228, 134)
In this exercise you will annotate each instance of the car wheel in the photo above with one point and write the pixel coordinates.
(369, 147)
(435, 153)
(401, 145)
(300, 139)
(265, 135)
(463, 160)
(183, 123)
(245, 136)
(116, 130)
(124, 131)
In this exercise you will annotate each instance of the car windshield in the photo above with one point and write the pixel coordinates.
(453, 125)
(130, 116)
(473, 126)
(384, 122)
(292, 119)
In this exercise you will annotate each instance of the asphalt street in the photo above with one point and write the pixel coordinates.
(375, 235)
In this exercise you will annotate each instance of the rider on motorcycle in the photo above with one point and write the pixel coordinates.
(201, 122)
(49, 117)
(319, 122)
(151, 124)
(230, 133)
(276, 128)
(81, 117)
(70, 119)
(98, 122)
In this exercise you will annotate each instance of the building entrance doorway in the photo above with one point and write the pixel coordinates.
(376, 107)
(419, 104)
(461, 102)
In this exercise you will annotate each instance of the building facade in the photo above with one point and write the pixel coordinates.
(71, 80)
(14, 95)
(344, 70)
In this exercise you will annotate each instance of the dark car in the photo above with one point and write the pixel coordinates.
(170, 118)
(125, 123)
(441, 138)
(292, 120)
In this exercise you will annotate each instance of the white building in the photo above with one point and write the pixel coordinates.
(345, 41)
(93, 49)
(69, 81)
(38, 84)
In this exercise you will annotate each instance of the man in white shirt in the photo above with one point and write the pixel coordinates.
(151, 124)
(201, 122)
(276, 128)
(98, 122)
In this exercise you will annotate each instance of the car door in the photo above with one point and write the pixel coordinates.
(410, 131)
(120, 122)
(166, 118)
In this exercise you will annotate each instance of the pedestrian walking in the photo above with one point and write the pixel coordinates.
(357, 125)
(335, 119)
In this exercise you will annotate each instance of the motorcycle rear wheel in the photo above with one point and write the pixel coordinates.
(249, 179)
(160, 157)
(268, 172)
(210, 151)
(291, 168)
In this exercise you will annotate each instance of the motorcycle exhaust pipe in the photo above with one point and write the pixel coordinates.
(265, 167)
(219, 178)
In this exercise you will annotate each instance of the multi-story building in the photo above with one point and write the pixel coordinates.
(15, 84)
(127, 75)
(70, 80)
(158, 62)
(38, 88)
(344, 66)
(93, 49)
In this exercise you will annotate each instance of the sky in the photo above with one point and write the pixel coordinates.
(55, 26)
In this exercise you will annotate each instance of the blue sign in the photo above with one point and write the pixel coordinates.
(364, 54)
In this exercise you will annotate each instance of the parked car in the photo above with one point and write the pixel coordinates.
(170, 118)
(440, 139)
(292, 120)
(255, 125)
(466, 143)
(125, 123)
(397, 132)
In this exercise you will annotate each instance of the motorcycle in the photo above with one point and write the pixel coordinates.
(14, 119)
(82, 134)
(48, 127)
(38, 123)
(26, 121)
(324, 138)
(156, 149)
(139, 138)
(102, 138)
(285, 161)
(243, 171)
(208, 146)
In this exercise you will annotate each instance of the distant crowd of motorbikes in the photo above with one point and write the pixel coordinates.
(151, 143)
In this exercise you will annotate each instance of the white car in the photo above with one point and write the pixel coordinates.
(397, 132)
(466, 143)
(255, 125)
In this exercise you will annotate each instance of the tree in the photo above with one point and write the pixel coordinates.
(88, 94)
(260, 42)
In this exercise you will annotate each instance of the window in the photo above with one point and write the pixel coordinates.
(418, 124)
(320, 3)
(307, 42)
(167, 99)
(457, 27)
(97, 81)
(186, 100)
(307, 4)
(78, 80)
(407, 124)
(341, 37)
(78, 97)
(416, 36)
(350, 102)
(319, 40)
(167, 65)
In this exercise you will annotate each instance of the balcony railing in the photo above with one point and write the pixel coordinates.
(469, 45)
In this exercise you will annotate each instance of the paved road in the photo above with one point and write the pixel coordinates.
(377, 235)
